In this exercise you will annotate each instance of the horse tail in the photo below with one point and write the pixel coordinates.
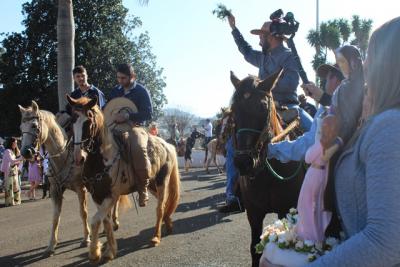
(125, 202)
(174, 190)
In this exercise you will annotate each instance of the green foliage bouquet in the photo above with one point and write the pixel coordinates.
(222, 12)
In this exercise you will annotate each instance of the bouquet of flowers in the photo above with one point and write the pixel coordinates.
(222, 12)
(282, 233)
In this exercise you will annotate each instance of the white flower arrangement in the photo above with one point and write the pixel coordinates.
(282, 232)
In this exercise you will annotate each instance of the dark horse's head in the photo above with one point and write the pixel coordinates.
(254, 118)
(87, 127)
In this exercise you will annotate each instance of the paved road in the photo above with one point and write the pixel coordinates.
(202, 236)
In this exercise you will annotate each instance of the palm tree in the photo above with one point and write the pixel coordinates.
(65, 50)
(362, 29)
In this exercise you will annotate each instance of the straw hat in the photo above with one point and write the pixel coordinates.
(119, 105)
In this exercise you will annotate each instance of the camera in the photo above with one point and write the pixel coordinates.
(283, 25)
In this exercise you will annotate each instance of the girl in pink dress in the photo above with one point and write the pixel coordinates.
(313, 219)
(34, 176)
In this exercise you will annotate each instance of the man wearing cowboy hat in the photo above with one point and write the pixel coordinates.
(272, 58)
(128, 87)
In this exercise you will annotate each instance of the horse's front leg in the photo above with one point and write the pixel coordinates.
(95, 246)
(255, 219)
(56, 199)
(82, 196)
(110, 251)
(115, 215)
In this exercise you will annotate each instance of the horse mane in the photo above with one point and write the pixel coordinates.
(275, 123)
(97, 117)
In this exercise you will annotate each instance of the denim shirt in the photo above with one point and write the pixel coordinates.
(286, 151)
(285, 91)
(139, 95)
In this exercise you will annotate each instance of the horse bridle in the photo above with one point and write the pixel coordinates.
(264, 136)
(89, 147)
(37, 133)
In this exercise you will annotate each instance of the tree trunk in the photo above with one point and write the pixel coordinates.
(66, 50)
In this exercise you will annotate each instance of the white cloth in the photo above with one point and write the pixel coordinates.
(208, 128)
(284, 257)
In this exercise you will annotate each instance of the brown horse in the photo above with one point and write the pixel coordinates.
(108, 172)
(263, 190)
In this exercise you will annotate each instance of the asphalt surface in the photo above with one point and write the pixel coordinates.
(201, 236)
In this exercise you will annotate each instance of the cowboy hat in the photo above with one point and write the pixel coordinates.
(324, 69)
(264, 29)
(118, 105)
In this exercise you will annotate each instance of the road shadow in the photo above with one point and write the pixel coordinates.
(180, 226)
(199, 174)
(29, 257)
(211, 202)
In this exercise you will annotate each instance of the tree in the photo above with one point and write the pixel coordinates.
(173, 118)
(28, 67)
(362, 30)
(335, 33)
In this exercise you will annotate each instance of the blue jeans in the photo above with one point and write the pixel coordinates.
(305, 118)
(232, 173)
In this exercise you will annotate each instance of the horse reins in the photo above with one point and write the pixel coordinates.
(265, 136)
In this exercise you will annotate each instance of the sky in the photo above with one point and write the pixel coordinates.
(197, 51)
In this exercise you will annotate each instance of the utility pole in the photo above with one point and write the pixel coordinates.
(317, 16)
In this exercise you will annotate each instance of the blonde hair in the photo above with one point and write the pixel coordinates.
(383, 65)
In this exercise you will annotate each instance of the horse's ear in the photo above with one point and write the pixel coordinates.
(235, 81)
(91, 103)
(35, 106)
(269, 83)
(70, 100)
(22, 109)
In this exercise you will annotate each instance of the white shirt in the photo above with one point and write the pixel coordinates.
(208, 129)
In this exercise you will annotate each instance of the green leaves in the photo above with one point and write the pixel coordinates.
(104, 36)
(222, 12)
(335, 33)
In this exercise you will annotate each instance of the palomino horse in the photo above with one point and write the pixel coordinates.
(213, 151)
(263, 190)
(217, 145)
(39, 127)
(108, 172)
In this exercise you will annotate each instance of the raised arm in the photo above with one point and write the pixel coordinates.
(252, 56)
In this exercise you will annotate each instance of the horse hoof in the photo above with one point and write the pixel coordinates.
(94, 260)
(155, 241)
(169, 230)
(48, 253)
(116, 227)
(84, 244)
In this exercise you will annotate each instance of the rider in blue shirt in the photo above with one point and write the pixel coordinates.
(273, 57)
(138, 94)
(84, 88)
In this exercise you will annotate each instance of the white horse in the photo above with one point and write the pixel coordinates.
(39, 127)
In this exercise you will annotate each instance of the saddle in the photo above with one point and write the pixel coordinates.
(287, 115)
